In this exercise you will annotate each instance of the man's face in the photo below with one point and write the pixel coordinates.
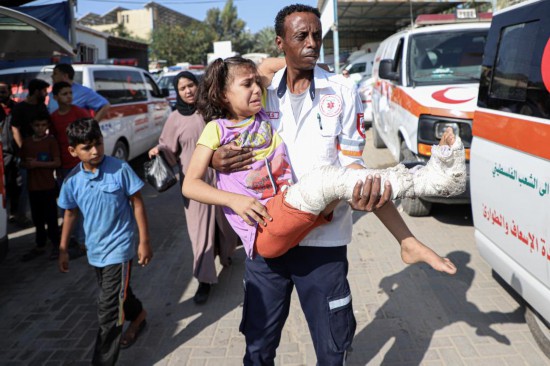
(58, 76)
(302, 40)
(41, 95)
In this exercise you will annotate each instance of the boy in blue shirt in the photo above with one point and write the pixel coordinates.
(107, 193)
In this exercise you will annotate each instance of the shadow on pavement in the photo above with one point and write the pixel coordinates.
(410, 320)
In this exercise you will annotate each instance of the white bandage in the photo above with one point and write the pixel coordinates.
(443, 175)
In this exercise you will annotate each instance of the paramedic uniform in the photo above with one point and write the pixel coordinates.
(326, 132)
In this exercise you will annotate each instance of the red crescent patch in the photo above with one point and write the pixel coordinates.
(359, 122)
(545, 66)
(440, 97)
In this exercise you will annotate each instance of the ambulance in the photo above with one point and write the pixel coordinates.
(426, 79)
(138, 110)
(510, 158)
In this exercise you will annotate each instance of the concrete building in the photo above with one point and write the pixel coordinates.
(139, 22)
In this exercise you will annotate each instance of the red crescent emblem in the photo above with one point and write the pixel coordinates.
(440, 97)
(545, 66)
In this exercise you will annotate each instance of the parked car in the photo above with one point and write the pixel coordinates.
(510, 158)
(138, 106)
(425, 80)
(166, 81)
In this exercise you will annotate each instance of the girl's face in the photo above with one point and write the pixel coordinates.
(244, 94)
(187, 90)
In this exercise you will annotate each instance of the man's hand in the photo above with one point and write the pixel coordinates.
(366, 197)
(231, 158)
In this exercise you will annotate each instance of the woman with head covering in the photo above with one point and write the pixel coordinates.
(208, 229)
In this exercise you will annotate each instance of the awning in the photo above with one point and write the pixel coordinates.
(22, 36)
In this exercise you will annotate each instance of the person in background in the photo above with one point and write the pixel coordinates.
(83, 97)
(22, 115)
(5, 98)
(9, 151)
(208, 229)
(66, 114)
(40, 156)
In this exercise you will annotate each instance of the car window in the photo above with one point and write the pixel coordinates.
(166, 82)
(152, 87)
(111, 85)
(516, 85)
(358, 67)
(19, 81)
(135, 86)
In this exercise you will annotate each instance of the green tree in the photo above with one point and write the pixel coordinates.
(228, 27)
(265, 41)
(121, 31)
(176, 44)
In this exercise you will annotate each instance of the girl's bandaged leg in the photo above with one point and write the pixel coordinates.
(443, 175)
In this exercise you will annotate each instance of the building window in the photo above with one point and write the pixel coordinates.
(87, 54)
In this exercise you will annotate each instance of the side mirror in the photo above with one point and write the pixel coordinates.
(165, 92)
(385, 70)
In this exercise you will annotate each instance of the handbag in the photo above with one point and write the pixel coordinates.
(159, 174)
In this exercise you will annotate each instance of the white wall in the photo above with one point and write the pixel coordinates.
(91, 39)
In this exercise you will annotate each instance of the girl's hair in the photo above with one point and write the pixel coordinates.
(217, 77)
(83, 131)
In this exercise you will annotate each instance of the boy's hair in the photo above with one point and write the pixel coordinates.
(65, 69)
(290, 9)
(36, 84)
(41, 115)
(60, 85)
(211, 90)
(83, 131)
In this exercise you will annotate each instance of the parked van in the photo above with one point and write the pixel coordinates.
(138, 111)
(361, 67)
(510, 158)
(425, 80)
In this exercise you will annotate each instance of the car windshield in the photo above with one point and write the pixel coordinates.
(446, 57)
(166, 82)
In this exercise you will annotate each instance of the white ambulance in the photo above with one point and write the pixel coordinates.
(425, 80)
(138, 111)
(510, 158)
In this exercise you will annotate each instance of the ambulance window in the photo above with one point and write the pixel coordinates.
(359, 67)
(136, 91)
(110, 84)
(398, 59)
(152, 87)
(513, 64)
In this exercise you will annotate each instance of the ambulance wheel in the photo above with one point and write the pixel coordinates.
(120, 151)
(376, 140)
(416, 207)
(539, 328)
(405, 154)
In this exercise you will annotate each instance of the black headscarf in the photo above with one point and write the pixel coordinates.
(185, 109)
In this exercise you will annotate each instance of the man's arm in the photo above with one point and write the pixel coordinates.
(17, 136)
(145, 253)
(102, 112)
(268, 67)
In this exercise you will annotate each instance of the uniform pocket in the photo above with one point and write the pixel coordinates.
(329, 126)
(341, 322)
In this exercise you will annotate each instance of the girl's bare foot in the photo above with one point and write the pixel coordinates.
(413, 251)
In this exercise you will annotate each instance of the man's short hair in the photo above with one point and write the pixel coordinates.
(83, 131)
(65, 69)
(36, 84)
(60, 85)
(290, 9)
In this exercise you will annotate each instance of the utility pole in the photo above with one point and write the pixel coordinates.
(72, 34)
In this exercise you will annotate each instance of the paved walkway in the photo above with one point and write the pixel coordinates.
(407, 315)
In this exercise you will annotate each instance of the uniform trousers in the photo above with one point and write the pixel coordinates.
(319, 275)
